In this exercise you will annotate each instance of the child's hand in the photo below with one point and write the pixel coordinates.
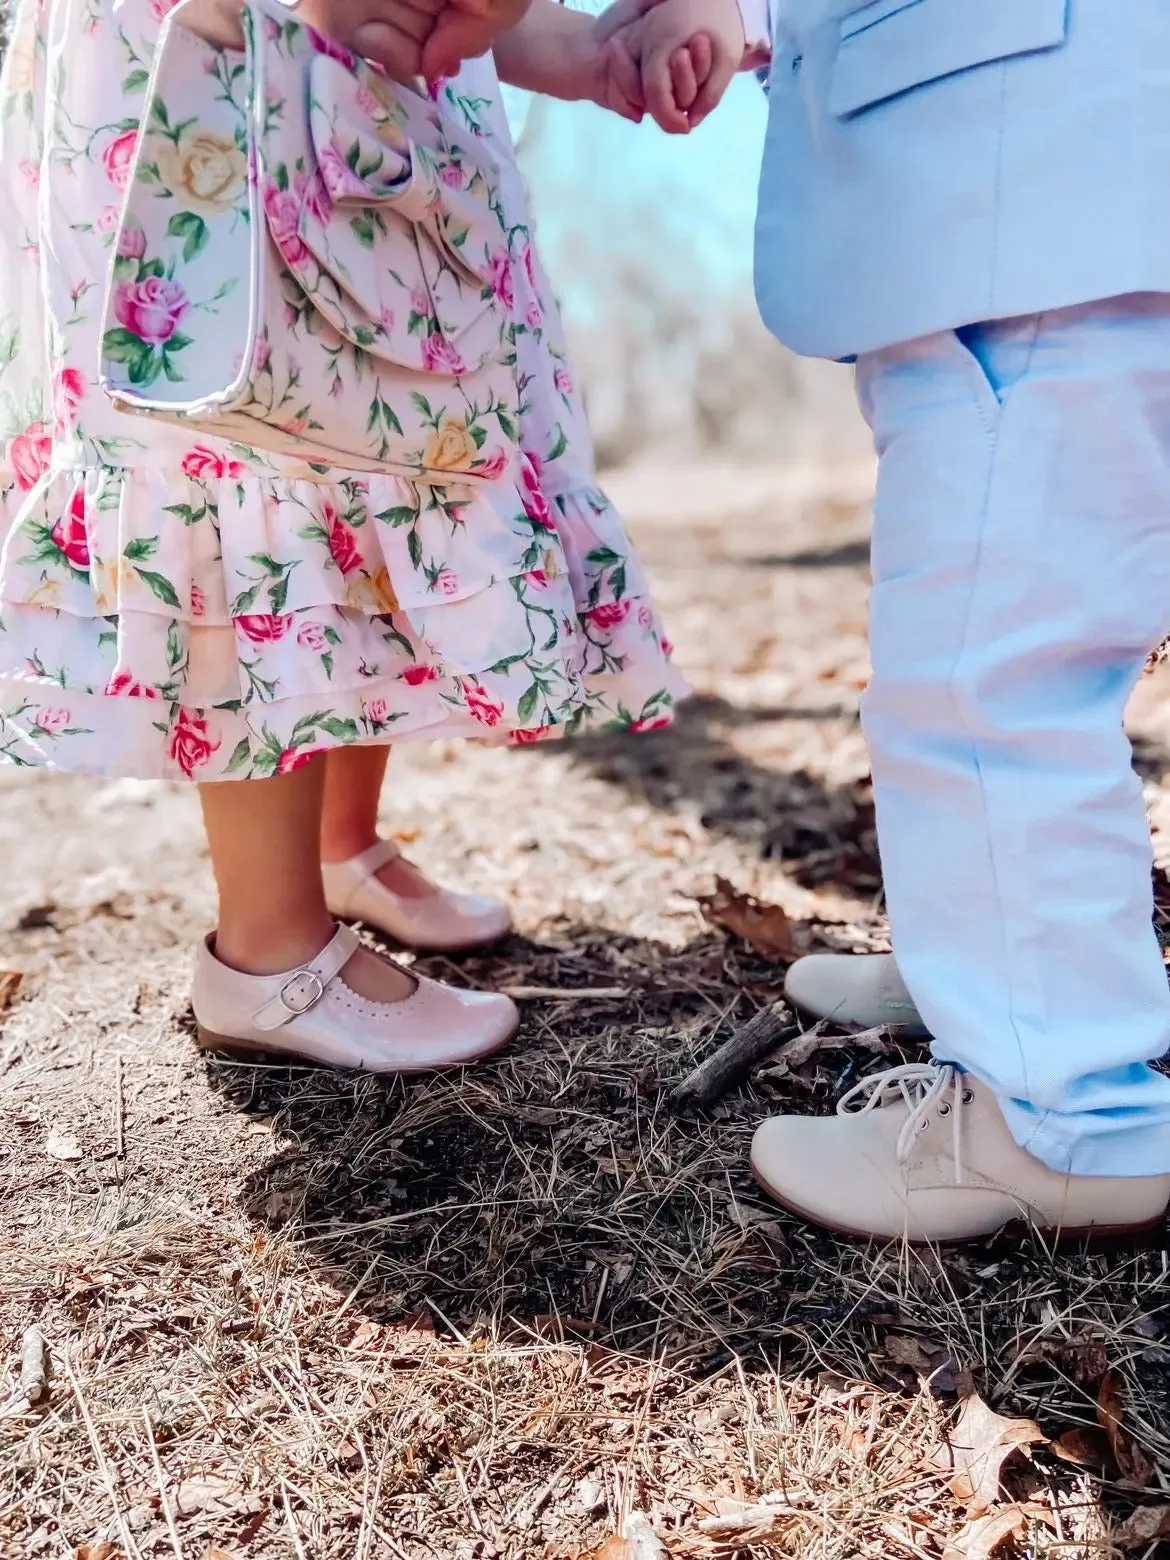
(687, 52)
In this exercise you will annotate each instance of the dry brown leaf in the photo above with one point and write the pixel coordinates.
(205, 1492)
(614, 1548)
(1132, 1463)
(1147, 1524)
(766, 927)
(214, 1552)
(1085, 1448)
(10, 981)
(977, 1448)
(101, 1550)
(980, 1539)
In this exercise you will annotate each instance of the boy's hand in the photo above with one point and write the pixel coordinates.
(687, 51)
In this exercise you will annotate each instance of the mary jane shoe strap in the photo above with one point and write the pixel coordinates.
(301, 989)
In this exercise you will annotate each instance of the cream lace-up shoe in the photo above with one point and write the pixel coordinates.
(856, 991)
(310, 1013)
(922, 1153)
(442, 922)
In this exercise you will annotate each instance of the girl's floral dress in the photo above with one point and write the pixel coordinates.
(181, 609)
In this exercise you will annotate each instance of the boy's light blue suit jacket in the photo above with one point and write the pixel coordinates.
(932, 163)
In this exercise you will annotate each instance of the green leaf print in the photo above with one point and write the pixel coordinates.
(192, 230)
(140, 549)
(363, 230)
(341, 730)
(240, 757)
(617, 582)
(160, 585)
(123, 346)
(278, 595)
(560, 445)
(414, 548)
(603, 557)
(401, 515)
(528, 702)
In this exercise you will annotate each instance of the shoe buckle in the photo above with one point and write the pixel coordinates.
(296, 998)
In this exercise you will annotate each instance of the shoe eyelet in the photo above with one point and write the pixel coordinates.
(968, 1096)
(944, 1109)
(923, 1124)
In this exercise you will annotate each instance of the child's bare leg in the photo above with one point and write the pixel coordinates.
(264, 840)
(349, 817)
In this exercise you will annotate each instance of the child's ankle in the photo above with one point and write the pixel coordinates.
(272, 948)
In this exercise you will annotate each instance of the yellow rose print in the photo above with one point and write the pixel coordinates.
(205, 172)
(450, 447)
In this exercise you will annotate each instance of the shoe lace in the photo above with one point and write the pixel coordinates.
(924, 1088)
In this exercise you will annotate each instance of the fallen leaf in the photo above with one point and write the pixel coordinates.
(9, 985)
(102, 1550)
(62, 1145)
(205, 1492)
(977, 1448)
(766, 927)
(1086, 1448)
(800, 1049)
(980, 1539)
(214, 1552)
(1147, 1524)
(614, 1548)
(1132, 1463)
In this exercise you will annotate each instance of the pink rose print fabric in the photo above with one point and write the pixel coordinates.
(173, 607)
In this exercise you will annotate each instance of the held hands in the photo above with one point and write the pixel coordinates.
(682, 53)
(410, 38)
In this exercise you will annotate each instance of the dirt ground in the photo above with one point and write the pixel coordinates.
(293, 1316)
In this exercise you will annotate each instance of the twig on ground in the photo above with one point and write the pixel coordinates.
(34, 1382)
(104, 1469)
(763, 1515)
(801, 1048)
(735, 1058)
(168, 1514)
(565, 993)
(119, 1110)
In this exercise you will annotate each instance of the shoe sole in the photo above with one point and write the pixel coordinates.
(212, 1044)
(1013, 1230)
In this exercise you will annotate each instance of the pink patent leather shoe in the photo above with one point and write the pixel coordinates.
(442, 922)
(311, 1014)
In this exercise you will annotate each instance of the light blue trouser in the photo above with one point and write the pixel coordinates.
(1021, 562)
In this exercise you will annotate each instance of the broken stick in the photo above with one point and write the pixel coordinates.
(33, 1375)
(735, 1058)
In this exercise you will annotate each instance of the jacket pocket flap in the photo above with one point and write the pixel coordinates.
(890, 46)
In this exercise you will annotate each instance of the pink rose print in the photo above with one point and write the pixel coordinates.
(264, 628)
(529, 264)
(535, 316)
(340, 180)
(30, 172)
(418, 674)
(500, 277)
(645, 617)
(440, 357)
(68, 393)
(453, 176)
(29, 453)
(609, 614)
(480, 704)
(665, 645)
(282, 209)
(343, 547)
(122, 686)
(70, 537)
(160, 8)
(532, 495)
(335, 51)
(311, 636)
(151, 309)
(131, 241)
(495, 466)
(436, 87)
(650, 723)
(538, 578)
(377, 711)
(563, 381)
(296, 758)
(201, 463)
(318, 201)
(198, 602)
(118, 157)
(191, 744)
(52, 721)
(107, 219)
(420, 303)
(535, 734)
(446, 582)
